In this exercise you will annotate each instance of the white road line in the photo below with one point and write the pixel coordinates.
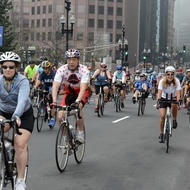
(118, 120)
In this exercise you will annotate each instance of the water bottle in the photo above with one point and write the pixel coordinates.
(10, 153)
(72, 130)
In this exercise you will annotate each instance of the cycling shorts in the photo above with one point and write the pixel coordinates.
(164, 104)
(27, 119)
(70, 98)
(97, 88)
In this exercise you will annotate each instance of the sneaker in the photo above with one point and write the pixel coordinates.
(161, 137)
(174, 124)
(122, 105)
(134, 100)
(20, 185)
(106, 99)
(51, 122)
(80, 137)
(96, 109)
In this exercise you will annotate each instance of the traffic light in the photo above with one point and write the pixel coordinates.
(126, 56)
(144, 58)
(184, 49)
(126, 53)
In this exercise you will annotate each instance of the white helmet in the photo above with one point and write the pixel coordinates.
(170, 69)
(188, 70)
(10, 56)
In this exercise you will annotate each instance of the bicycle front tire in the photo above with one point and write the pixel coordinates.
(62, 148)
(40, 116)
(102, 105)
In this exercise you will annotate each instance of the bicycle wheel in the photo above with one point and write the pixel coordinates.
(139, 107)
(167, 135)
(79, 149)
(40, 116)
(62, 148)
(102, 105)
(143, 104)
(99, 105)
(2, 170)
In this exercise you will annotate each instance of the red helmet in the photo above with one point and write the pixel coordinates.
(179, 69)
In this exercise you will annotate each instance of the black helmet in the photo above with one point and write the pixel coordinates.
(43, 58)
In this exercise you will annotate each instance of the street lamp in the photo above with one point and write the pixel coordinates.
(66, 21)
(123, 47)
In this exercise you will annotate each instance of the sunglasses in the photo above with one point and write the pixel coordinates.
(6, 67)
(170, 74)
(45, 68)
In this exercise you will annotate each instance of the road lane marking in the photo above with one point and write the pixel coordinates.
(118, 120)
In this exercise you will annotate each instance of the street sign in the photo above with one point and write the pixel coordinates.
(1, 36)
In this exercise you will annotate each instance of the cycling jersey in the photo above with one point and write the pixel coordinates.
(139, 84)
(101, 80)
(30, 72)
(17, 101)
(180, 77)
(119, 76)
(72, 78)
(47, 79)
(170, 90)
(39, 69)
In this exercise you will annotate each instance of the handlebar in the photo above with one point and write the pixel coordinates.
(13, 124)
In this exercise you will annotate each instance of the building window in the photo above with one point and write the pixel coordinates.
(101, 0)
(49, 22)
(44, 23)
(118, 36)
(91, 9)
(80, 36)
(110, 24)
(33, 10)
(32, 36)
(110, 10)
(100, 23)
(44, 9)
(43, 36)
(118, 24)
(101, 10)
(32, 23)
(91, 37)
(111, 37)
(49, 8)
(38, 36)
(38, 23)
(110, 0)
(33, 0)
(25, 23)
(38, 10)
(91, 23)
(49, 36)
(119, 11)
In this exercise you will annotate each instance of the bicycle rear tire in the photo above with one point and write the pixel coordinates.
(2, 170)
(102, 105)
(62, 148)
(40, 116)
(139, 107)
(79, 149)
(99, 104)
(143, 104)
(167, 136)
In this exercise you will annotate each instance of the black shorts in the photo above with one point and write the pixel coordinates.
(97, 88)
(164, 104)
(27, 119)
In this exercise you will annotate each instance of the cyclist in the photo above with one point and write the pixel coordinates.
(30, 70)
(187, 89)
(102, 80)
(168, 85)
(75, 76)
(119, 75)
(39, 69)
(180, 74)
(140, 85)
(15, 103)
(47, 76)
(154, 79)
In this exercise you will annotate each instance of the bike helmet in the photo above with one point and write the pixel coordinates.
(45, 64)
(137, 71)
(170, 69)
(10, 56)
(119, 67)
(179, 69)
(72, 53)
(188, 70)
(43, 58)
(142, 75)
(103, 65)
(154, 73)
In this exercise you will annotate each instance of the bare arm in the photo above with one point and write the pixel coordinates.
(95, 73)
(159, 94)
(37, 84)
(25, 74)
(178, 92)
(55, 90)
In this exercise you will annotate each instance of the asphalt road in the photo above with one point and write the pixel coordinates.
(122, 155)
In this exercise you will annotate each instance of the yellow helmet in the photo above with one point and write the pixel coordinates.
(45, 64)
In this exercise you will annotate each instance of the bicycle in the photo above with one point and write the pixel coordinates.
(141, 102)
(66, 142)
(168, 122)
(154, 91)
(118, 86)
(44, 110)
(8, 169)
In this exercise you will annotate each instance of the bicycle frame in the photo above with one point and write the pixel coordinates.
(168, 119)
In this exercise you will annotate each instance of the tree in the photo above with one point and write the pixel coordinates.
(8, 34)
